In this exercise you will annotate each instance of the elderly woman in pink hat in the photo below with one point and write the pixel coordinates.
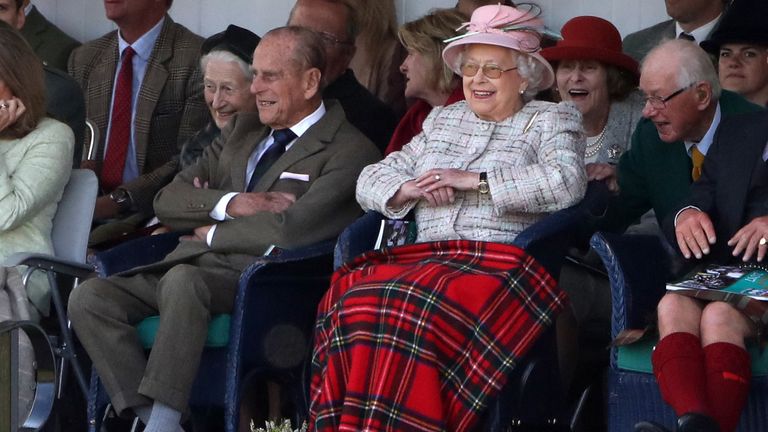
(422, 336)
(592, 72)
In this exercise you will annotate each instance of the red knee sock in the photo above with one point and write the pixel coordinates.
(678, 363)
(728, 374)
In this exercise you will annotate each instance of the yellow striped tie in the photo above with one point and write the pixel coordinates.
(698, 161)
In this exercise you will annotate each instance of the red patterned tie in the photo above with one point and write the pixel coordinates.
(120, 126)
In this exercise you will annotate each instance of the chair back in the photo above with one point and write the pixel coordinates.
(72, 222)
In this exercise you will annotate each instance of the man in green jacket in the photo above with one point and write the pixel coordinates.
(684, 105)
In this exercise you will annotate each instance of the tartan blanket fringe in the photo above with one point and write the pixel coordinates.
(420, 337)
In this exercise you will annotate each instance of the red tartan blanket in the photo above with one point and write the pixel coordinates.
(419, 337)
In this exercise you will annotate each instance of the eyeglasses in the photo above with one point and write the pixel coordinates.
(491, 71)
(332, 39)
(659, 103)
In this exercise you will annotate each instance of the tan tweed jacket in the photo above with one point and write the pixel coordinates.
(534, 160)
(170, 107)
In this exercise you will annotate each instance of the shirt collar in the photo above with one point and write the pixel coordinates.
(700, 34)
(706, 141)
(307, 122)
(143, 45)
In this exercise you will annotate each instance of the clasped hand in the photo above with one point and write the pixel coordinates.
(245, 204)
(695, 233)
(437, 187)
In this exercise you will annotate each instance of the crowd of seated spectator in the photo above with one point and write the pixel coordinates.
(245, 143)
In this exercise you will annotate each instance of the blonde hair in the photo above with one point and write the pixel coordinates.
(425, 36)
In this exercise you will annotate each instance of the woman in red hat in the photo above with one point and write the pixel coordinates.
(592, 72)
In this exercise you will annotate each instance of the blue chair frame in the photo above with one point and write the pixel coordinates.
(270, 326)
(636, 269)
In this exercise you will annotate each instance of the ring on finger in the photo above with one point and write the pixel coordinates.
(437, 177)
(3, 105)
(763, 241)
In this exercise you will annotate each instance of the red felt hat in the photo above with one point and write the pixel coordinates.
(591, 38)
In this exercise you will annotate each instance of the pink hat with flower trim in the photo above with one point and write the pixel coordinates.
(505, 26)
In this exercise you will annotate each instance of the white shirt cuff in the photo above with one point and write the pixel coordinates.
(684, 209)
(219, 211)
(209, 236)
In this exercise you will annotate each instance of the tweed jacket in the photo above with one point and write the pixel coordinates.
(170, 105)
(657, 175)
(331, 153)
(622, 119)
(33, 172)
(52, 45)
(729, 200)
(534, 160)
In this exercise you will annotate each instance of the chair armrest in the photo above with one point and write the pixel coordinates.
(637, 269)
(45, 385)
(134, 253)
(548, 239)
(50, 263)
(358, 237)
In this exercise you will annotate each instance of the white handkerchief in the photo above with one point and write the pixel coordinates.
(294, 176)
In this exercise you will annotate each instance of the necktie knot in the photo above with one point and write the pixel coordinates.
(283, 136)
(686, 36)
(281, 139)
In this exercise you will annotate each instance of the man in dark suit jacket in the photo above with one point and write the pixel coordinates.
(306, 195)
(696, 19)
(335, 23)
(167, 108)
(49, 42)
(700, 362)
(656, 171)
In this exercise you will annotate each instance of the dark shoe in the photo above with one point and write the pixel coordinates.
(695, 422)
(646, 426)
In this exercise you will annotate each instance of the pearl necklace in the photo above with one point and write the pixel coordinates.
(594, 148)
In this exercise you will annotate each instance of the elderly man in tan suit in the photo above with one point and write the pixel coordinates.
(284, 177)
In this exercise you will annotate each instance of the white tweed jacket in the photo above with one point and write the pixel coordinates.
(534, 161)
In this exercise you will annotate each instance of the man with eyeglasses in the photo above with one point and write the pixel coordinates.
(684, 105)
(335, 23)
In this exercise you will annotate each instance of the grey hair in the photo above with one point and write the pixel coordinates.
(694, 64)
(226, 56)
(533, 72)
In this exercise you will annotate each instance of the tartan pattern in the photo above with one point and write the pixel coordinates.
(420, 337)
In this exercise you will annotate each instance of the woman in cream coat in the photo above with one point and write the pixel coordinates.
(35, 159)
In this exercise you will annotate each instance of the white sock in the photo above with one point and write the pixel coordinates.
(163, 419)
(143, 412)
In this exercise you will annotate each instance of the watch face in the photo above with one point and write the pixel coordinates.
(483, 187)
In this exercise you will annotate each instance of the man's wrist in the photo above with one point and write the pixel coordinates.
(684, 209)
(122, 198)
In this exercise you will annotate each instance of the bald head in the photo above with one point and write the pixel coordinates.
(682, 61)
(335, 23)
